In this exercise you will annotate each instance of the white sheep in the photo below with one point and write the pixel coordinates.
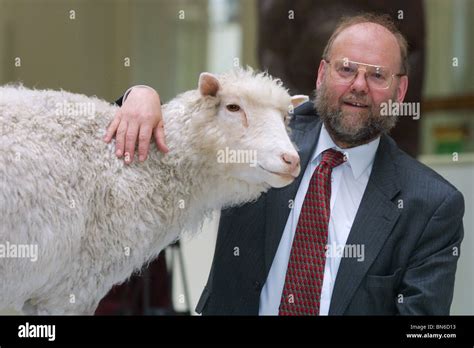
(94, 220)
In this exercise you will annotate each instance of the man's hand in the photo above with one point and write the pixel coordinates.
(139, 117)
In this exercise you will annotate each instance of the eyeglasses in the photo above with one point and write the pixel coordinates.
(345, 71)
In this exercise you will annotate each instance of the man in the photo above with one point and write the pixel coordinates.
(365, 229)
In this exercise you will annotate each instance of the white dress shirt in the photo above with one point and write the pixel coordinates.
(348, 183)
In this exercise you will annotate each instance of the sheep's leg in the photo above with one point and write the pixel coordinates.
(48, 309)
(57, 306)
(29, 308)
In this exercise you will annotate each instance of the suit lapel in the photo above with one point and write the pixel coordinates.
(374, 221)
(305, 134)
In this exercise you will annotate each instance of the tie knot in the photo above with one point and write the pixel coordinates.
(332, 158)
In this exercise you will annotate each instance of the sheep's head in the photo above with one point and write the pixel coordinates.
(250, 130)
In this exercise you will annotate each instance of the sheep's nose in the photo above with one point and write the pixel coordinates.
(293, 162)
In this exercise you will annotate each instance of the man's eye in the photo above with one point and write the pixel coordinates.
(346, 70)
(378, 76)
(233, 107)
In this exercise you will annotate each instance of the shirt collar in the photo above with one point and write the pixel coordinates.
(359, 158)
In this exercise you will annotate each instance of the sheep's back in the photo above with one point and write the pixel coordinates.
(46, 149)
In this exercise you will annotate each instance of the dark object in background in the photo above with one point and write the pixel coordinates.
(145, 293)
(291, 49)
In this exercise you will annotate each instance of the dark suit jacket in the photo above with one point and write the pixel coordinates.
(409, 221)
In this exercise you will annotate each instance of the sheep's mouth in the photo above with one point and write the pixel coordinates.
(282, 175)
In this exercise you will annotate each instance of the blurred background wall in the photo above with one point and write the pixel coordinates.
(101, 47)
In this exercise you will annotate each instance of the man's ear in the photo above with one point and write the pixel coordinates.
(208, 84)
(298, 99)
(402, 88)
(321, 72)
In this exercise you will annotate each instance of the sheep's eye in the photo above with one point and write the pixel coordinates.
(233, 107)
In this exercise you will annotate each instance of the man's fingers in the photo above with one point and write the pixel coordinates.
(112, 128)
(144, 137)
(130, 141)
(160, 137)
(120, 138)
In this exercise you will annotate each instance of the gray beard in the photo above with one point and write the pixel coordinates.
(332, 116)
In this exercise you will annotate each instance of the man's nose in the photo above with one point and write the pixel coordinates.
(359, 85)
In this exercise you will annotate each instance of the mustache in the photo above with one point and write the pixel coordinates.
(355, 99)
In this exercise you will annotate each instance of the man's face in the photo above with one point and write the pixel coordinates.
(351, 111)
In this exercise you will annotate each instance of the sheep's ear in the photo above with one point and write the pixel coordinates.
(208, 84)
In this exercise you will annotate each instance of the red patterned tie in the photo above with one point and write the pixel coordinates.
(304, 276)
